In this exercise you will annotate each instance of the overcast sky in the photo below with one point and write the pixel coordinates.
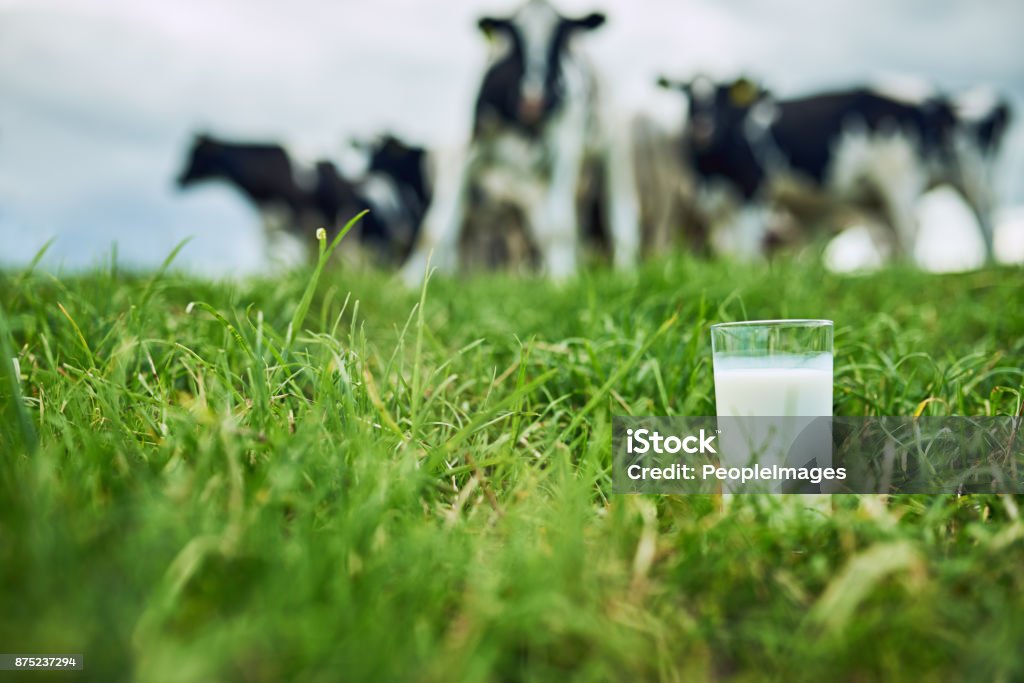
(99, 98)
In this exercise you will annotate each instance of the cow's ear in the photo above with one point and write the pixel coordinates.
(492, 25)
(393, 146)
(745, 93)
(671, 84)
(590, 22)
(1002, 113)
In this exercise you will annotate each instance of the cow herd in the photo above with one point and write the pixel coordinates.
(295, 199)
(551, 175)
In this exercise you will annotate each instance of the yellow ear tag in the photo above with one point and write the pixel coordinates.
(743, 93)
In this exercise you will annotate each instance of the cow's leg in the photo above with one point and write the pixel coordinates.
(890, 165)
(621, 197)
(899, 197)
(283, 248)
(981, 206)
(438, 239)
(737, 227)
(552, 228)
(750, 230)
(555, 223)
(972, 178)
(987, 227)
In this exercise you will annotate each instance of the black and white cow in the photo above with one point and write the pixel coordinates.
(858, 145)
(293, 200)
(538, 135)
(397, 183)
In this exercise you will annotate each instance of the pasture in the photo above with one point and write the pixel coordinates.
(324, 477)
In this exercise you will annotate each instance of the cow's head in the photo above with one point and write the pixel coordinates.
(398, 160)
(394, 156)
(992, 127)
(525, 83)
(984, 115)
(203, 160)
(403, 162)
(717, 111)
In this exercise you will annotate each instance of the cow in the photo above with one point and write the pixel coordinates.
(857, 146)
(397, 183)
(291, 199)
(539, 147)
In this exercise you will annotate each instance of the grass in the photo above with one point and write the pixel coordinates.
(201, 481)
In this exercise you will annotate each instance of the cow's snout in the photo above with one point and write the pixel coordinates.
(703, 128)
(530, 109)
(186, 177)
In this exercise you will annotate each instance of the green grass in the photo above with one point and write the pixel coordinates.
(201, 481)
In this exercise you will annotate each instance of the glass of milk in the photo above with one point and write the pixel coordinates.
(779, 369)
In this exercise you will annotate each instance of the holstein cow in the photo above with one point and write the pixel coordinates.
(537, 139)
(293, 200)
(857, 146)
(397, 183)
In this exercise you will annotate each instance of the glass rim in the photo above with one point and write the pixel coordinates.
(794, 322)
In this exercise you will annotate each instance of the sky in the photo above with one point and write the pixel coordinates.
(99, 98)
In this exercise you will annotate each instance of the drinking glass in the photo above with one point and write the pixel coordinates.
(777, 369)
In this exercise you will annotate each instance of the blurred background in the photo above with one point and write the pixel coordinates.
(99, 99)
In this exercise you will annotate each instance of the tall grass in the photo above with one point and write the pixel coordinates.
(324, 477)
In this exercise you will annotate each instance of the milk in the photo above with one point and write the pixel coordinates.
(794, 389)
(773, 385)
